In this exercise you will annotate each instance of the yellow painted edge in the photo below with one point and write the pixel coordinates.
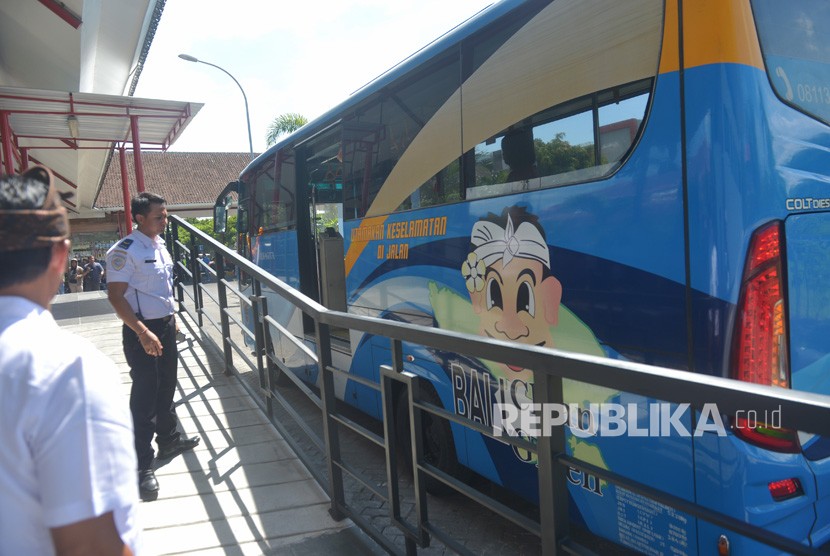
(357, 247)
(669, 52)
(720, 32)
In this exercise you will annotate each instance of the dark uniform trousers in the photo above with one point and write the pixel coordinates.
(154, 385)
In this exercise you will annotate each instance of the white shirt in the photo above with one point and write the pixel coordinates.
(146, 267)
(65, 431)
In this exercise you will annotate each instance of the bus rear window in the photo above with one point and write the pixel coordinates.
(795, 41)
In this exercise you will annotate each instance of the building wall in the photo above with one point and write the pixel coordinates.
(93, 236)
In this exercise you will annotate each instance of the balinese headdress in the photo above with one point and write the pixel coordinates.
(492, 242)
(33, 228)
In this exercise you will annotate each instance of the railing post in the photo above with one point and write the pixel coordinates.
(553, 485)
(416, 428)
(416, 448)
(260, 310)
(197, 278)
(223, 316)
(268, 379)
(388, 377)
(175, 253)
(331, 435)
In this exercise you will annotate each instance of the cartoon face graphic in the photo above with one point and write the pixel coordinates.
(508, 276)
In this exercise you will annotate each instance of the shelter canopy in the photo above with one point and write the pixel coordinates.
(74, 133)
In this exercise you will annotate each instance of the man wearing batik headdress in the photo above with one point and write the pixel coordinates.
(67, 465)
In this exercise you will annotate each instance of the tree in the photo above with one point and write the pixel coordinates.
(206, 226)
(558, 156)
(283, 124)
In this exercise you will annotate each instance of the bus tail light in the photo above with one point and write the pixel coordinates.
(759, 348)
(786, 489)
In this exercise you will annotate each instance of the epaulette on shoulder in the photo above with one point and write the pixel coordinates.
(126, 244)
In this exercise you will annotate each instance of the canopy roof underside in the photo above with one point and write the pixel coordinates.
(71, 132)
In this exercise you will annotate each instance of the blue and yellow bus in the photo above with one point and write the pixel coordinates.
(646, 180)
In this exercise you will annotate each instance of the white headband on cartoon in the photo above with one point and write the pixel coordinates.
(493, 242)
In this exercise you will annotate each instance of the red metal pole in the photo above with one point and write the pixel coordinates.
(24, 159)
(63, 12)
(6, 133)
(125, 189)
(139, 167)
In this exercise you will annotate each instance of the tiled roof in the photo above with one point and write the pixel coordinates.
(181, 178)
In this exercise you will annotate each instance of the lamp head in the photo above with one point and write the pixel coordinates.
(188, 57)
(72, 123)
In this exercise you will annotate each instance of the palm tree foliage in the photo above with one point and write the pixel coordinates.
(284, 124)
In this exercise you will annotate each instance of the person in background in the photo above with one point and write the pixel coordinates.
(140, 289)
(67, 466)
(93, 273)
(75, 277)
(84, 275)
(203, 269)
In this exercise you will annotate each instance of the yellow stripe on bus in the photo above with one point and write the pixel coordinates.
(670, 50)
(720, 32)
(360, 239)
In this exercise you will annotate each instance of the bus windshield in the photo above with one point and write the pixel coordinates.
(795, 40)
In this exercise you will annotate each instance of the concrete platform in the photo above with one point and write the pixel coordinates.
(242, 491)
(75, 308)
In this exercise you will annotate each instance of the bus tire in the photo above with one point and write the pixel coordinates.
(439, 446)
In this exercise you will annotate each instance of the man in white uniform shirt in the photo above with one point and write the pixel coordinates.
(67, 464)
(140, 289)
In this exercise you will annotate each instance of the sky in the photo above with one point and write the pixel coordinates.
(304, 57)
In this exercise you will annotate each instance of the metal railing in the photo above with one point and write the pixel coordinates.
(798, 410)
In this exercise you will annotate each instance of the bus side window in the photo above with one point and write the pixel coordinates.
(519, 153)
(618, 126)
(273, 201)
(362, 157)
(577, 141)
(444, 187)
(382, 130)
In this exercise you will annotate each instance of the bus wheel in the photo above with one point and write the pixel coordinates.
(439, 446)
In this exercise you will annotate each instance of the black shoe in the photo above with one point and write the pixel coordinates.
(148, 486)
(177, 447)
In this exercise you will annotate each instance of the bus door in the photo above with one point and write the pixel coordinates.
(318, 169)
(326, 192)
(318, 217)
(347, 149)
(342, 149)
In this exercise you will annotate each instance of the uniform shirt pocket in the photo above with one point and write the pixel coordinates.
(152, 277)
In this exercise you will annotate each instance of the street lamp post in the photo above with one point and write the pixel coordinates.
(190, 58)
